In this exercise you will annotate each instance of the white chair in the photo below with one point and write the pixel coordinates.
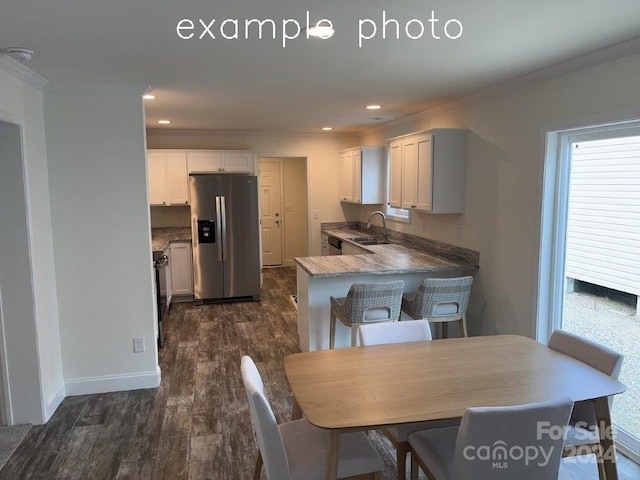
(583, 436)
(440, 300)
(400, 332)
(365, 302)
(488, 444)
(298, 450)
(394, 332)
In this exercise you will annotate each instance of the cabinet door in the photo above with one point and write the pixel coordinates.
(204, 162)
(177, 179)
(325, 244)
(346, 176)
(410, 173)
(237, 162)
(181, 269)
(425, 172)
(356, 161)
(395, 174)
(157, 178)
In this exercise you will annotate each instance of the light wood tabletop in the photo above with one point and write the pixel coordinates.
(368, 387)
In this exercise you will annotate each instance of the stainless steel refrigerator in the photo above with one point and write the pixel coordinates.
(225, 236)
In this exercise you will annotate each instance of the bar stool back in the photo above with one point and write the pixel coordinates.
(365, 302)
(440, 300)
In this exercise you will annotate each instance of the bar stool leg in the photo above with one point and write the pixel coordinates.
(463, 325)
(354, 334)
(445, 330)
(332, 331)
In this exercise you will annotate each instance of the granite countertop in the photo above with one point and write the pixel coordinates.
(162, 237)
(399, 256)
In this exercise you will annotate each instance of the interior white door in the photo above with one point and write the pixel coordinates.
(271, 214)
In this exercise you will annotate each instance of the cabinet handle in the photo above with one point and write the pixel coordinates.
(186, 202)
(413, 206)
(164, 203)
(220, 170)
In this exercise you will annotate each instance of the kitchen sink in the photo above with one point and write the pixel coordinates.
(368, 241)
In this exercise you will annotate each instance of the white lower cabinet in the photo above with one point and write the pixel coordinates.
(181, 266)
(325, 244)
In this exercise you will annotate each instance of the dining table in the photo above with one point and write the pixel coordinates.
(365, 388)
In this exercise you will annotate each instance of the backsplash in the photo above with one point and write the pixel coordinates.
(163, 217)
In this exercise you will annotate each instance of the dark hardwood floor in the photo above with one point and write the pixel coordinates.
(196, 425)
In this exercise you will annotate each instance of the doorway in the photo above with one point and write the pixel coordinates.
(590, 252)
(283, 209)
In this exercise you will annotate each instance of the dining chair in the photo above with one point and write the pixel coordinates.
(440, 300)
(400, 332)
(297, 450)
(394, 332)
(493, 443)
(583, 437)
(365, 303)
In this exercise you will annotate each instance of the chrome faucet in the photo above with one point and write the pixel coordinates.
(385, 235)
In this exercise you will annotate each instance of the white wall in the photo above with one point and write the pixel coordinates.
(322, 162)
(504, 177)
(101, 234)
(27, 273)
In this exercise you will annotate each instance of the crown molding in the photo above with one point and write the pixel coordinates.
(168, 132)
(66, 87)
(596, 57)
(22, 72)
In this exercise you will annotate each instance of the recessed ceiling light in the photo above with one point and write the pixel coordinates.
(327, 129)
(148, 96)
(164, 122)
(374, 107)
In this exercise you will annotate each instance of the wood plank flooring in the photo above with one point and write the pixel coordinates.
(196, 425)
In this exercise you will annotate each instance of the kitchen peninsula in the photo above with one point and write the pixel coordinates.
(406, 257)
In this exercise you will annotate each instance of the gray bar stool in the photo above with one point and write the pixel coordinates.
(365, 302)
(440, 300)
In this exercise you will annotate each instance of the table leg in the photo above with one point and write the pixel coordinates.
(603, 416)
(296, 411)
(332, 455)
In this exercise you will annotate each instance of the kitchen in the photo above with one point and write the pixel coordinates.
(86, 179)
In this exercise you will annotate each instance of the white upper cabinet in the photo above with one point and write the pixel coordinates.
(177, 179)
(346, 176)
(220, 161)
(363, 175)
(428, 171)
(395, 173)
(168, 179)
(157, 177)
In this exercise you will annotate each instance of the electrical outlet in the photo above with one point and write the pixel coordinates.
(138, 344)
(316, 214)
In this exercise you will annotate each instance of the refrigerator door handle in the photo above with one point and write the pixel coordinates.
(219, 227)
(223, 228)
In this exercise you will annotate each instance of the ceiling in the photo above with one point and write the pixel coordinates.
(256, 84)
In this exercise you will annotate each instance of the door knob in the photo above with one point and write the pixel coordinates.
(277, 214)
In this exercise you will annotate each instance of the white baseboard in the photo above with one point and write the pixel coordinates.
(112, 383)
(54, 403)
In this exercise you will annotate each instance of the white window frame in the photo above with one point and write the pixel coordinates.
(392, 214)
(553, 235)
